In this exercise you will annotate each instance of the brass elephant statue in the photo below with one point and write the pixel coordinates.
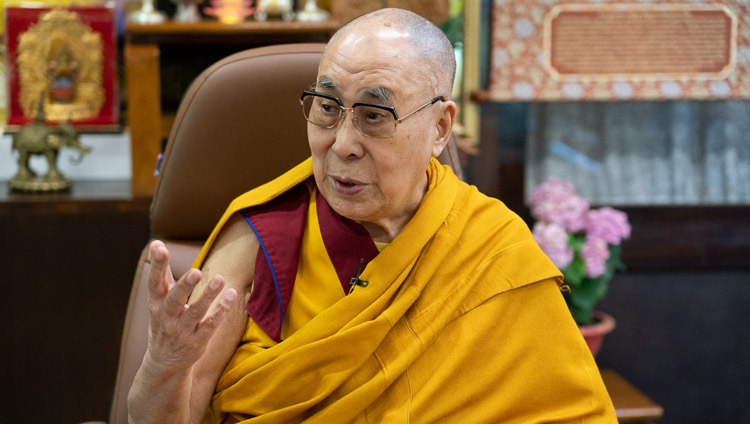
(41, 139)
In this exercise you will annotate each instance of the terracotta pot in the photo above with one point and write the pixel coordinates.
(594, 333)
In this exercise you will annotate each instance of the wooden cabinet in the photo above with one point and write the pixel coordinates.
(68, 262)
(163, 58)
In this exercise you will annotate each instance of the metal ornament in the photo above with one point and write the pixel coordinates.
(312, 13)
(147, 14)
(274, 8)
(187, 11)
(47, 140)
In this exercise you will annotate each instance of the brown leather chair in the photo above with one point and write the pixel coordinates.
(239, 125)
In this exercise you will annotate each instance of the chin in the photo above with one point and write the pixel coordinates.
(347, 208)
(351, 209)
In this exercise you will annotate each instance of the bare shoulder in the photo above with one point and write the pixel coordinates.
(233, 254)
(233, 257)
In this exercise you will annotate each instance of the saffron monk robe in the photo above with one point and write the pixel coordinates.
(368, 283)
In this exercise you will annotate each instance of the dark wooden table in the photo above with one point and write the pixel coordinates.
(631, 405)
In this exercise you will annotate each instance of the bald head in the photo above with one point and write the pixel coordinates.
(428, 43)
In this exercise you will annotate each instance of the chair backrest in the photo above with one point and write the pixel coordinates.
(239, 125)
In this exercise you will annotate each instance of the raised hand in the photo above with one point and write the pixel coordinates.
(179, 332)
(194, 327)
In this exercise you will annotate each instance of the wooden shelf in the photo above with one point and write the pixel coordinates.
(137, 32)
(150, 48)
(81, 192)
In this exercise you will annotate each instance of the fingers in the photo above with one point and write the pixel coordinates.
(199, 308)
(209, 324)
(160, 275)
(178, 332)
(204, 317)
(179, 294)
(197, 313)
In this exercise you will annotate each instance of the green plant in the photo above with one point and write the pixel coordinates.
(584, 243)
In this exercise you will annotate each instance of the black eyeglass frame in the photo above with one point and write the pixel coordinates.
(343, 109)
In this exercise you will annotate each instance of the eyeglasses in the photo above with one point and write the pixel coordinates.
(376, 121)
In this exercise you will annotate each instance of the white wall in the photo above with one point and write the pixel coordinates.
(109, 159)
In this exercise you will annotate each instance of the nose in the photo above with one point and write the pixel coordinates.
(347, 138)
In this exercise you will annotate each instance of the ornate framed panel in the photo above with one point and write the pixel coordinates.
(571, 50)
(64, 60)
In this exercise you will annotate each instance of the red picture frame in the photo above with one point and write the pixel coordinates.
(101, 20)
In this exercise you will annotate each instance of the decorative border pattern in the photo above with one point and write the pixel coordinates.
(521, 67)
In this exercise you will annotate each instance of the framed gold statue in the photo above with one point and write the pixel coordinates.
(70, 55)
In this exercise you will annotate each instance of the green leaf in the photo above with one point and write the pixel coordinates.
(576, 242)
(575, 272)
(585, 296)
(580, 315)
(601, 286)
(614, 261)
(582, 299)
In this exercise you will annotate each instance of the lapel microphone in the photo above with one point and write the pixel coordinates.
(356, 281)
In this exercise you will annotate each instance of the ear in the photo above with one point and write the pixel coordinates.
(443, 126)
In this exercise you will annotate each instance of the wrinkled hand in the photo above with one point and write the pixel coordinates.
(178, 332)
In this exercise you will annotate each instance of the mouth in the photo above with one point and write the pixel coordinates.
(347, 186)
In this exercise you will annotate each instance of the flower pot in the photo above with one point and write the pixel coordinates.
(594, 333)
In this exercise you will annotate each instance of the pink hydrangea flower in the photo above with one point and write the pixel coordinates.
(555, 201)
(553, 240)
(595, 253)
(607, 224)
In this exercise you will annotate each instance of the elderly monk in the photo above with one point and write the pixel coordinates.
(368, 283)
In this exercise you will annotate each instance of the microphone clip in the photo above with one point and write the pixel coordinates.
(356, 281)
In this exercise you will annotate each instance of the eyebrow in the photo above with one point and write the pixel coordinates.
(380, 93)
(326, 83)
